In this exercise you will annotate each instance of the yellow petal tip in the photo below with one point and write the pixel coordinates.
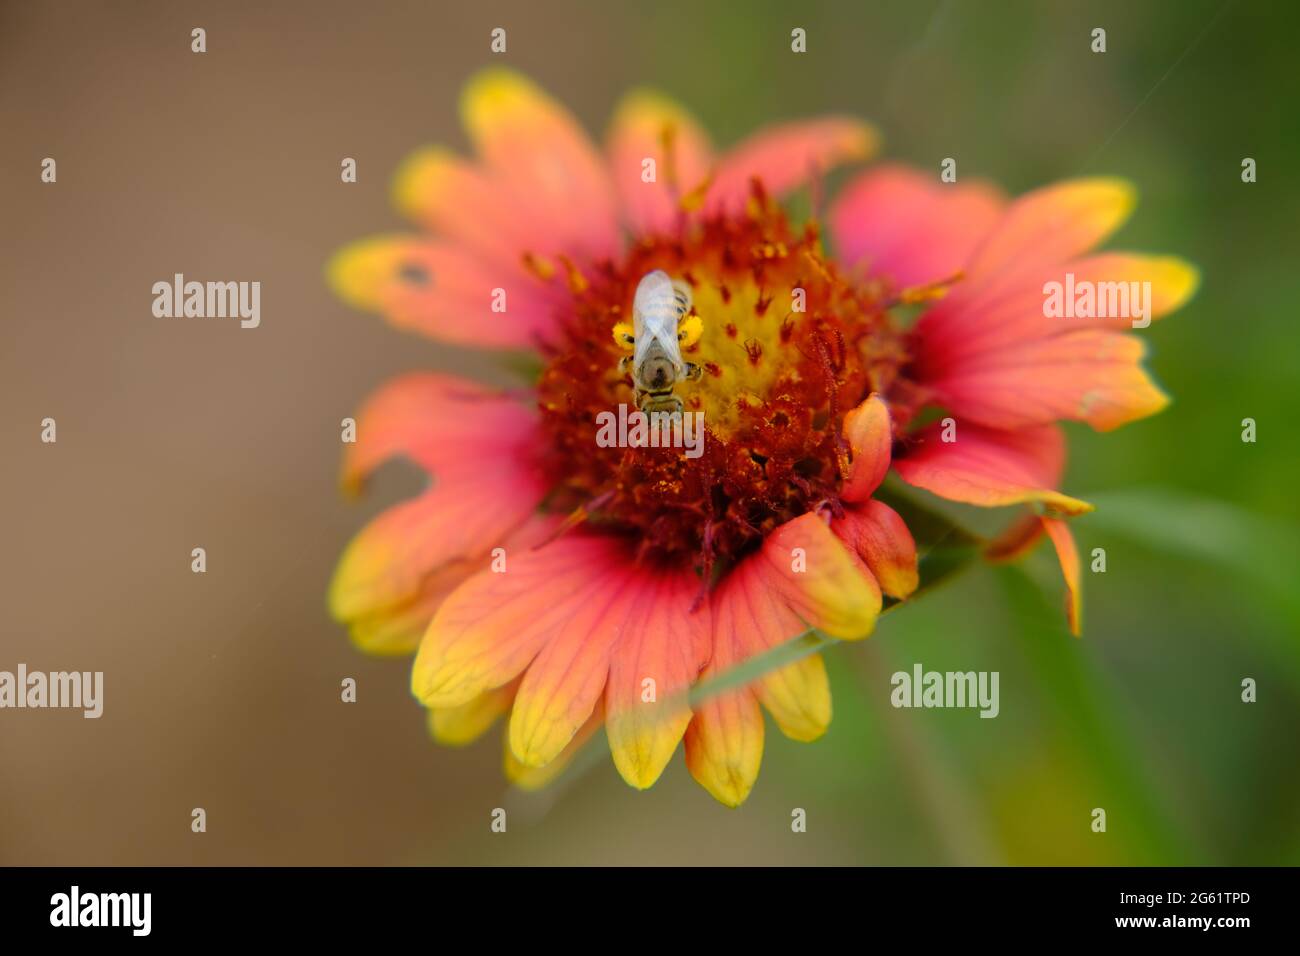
(359, 270)
(731, 792)
(1181, 281)
(862, 141)
(491, 91)
(412, 181)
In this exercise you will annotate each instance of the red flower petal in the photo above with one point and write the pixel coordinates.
(492, 626)
(879, 536)
(663, 642)
(786, 156)
(1068, 554)
(910, 227)
(1094, 377)
(552, 170)
(440, 290)
(389, 564)
(638, 626)
(471, 207)
(724, 741)
(1051, 224)
(870, 436)
(769, 598)
(447, 425)
(972, 328)
(990, 467)
(637, 134)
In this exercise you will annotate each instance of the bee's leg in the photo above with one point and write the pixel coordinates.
(624, 336)
(689, 331)
(625, 364)
(693, 372)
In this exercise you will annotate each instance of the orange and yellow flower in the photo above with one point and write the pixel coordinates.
(574, 586)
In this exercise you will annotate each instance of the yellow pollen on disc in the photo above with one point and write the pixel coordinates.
(740, 368)
(784, 346)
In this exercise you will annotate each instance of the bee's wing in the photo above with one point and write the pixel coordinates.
(662, 328)
(656, 310)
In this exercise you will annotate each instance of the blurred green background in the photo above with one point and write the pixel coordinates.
(226, 690)
(1143, 716)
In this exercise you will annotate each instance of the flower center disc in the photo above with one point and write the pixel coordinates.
(787, 348)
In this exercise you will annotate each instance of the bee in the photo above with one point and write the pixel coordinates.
(655, 339)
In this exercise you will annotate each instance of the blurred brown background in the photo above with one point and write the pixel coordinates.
(222, 689)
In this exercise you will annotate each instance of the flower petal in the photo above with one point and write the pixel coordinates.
(440, 290)
(724, 741)
(780, 592)
(868, 431)
(1173, 281)
(1093, 377)
(389, 563)
(448, 426)
(1017, 540)
(755, 618)
(396, 631)
(643, 123)
(1052, 224)
(553, 171)
(535, 778)
(786, 156)
(466, 204)
(492, 626)
(451, 428)
(637, 608)
(833, 593)
(990, 467)
(458, 726)
(879, 536)
(910, 227)
(668, 644)
(798, 696)
(972, 329)
(1068, 554)
(762, 603)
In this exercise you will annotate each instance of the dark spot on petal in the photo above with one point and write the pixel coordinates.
(414, 273)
